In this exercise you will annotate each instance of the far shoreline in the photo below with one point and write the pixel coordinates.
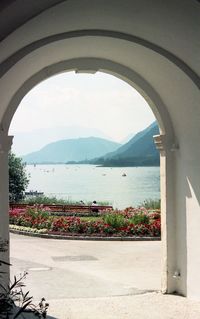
(96, 165)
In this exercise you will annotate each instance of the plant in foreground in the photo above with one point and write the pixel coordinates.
(13, 301)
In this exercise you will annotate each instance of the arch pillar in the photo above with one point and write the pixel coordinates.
(5, 146)
(169, 272)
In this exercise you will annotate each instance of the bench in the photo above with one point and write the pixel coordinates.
(65, 208)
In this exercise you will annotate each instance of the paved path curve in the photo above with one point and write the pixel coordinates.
(72, 269)
(95, 279)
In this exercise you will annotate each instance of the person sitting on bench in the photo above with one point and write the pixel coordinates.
(95, 210)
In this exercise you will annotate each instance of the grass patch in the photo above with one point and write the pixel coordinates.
(91, 219)
(151, 204)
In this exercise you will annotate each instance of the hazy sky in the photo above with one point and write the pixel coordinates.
(98, 101)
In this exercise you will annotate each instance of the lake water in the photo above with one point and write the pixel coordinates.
(88, 183)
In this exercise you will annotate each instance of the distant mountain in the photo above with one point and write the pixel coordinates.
(41, 137)
(127, 138)
(71, 150)
(139, 151)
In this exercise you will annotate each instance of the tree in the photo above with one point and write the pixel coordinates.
(18, 179)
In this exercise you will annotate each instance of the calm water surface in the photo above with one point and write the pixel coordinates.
(88, 183)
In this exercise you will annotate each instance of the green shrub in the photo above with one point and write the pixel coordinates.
(139, 218)
(35, 213)
(114, 220)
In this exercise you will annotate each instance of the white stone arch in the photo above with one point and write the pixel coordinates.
(137, 40)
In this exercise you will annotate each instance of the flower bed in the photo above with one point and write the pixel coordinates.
(129, 222)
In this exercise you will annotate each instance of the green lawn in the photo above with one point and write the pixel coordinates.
(91, 218)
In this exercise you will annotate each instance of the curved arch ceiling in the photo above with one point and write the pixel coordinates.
(13, 59)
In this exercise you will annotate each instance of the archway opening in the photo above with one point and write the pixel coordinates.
(36, 266)
(100, 106)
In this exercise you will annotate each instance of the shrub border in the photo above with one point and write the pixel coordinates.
(79, 237)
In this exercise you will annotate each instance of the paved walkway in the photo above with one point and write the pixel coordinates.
(91, 279)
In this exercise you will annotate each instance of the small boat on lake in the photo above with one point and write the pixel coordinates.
(34, 193)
